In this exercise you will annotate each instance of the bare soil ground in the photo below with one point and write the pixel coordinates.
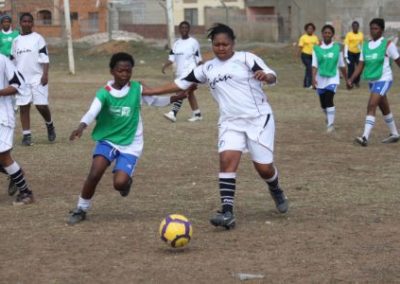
(342, 227)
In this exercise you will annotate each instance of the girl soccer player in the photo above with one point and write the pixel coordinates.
(306, 44)
(186, 56)
(375, 67)
(118, 132)
(326, 60)
(10, 83)
(246, 120)
(7, 35)
(30, 54)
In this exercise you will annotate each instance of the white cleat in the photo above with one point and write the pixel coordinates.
(170, 116)
(392, 138)
(330, 128)
(195, 118)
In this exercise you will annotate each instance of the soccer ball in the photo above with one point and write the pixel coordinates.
(176, 230)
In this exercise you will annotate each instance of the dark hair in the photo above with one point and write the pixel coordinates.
(184, 23)
(25, 15)
(355, 23)
(121, 56)
(379, 22)
(5, 17)
(309, 25)
(219, 28)
(328, 27)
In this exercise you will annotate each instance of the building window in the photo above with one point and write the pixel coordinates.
(94, 21)
(44, 17)
(191, 15)
(74, 16)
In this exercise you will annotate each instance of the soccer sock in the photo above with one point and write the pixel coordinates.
(227, 186)
(273, 182)
(84, 204)
(26, 132)
(391, 124)
(16, 175)
(197, 112)
(330, 115)
(49, 124)
(369, 124)
(176, 106)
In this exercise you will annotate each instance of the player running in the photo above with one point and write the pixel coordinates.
(246, 121)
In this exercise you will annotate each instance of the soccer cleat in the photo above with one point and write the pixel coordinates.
(170, 116)
(280, 200)
(51, 132)
(24, 198)
(27, 140)
(195, 118)
(125, 192)
(362, 141)
(222, 219)
(330, 128)
(12, 187)
(392, 138)
(75, 216)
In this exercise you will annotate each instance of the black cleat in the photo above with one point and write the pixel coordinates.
(27, 140)
(75, 216)
(362, 141)
(51, 132)
(280, 200)
(226, 220)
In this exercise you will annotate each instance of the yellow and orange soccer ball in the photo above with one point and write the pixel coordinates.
(176, 230)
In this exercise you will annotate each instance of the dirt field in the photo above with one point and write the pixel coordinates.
(342, 227)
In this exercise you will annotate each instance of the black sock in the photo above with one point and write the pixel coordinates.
(227, 188)
(177, 106)
(19, 180)
(273, 182)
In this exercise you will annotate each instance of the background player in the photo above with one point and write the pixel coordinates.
(306, 44)
(118, 132)
(352, 49)
(186, 56)
(326, 60)
(30, 54)
(246, 121)
(11, 83)
(375, 67)
(7, 35)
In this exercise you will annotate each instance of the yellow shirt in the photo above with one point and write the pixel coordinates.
(354, 41)
(307, 42)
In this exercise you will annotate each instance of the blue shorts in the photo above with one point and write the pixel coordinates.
(380, 87)
(123, 162)
(331, 88)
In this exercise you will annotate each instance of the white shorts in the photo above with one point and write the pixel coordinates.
(36, 94)
(6, 138)
(254, 135)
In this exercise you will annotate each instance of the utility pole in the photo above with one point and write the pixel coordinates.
(71, 61)
(170, 23)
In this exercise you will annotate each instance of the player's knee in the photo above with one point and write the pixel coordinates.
(120, 184)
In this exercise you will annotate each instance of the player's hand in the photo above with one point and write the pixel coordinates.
(44, 80)
(260, 75)
(314, 84)
(163, 69)
(77, 133)
(349, 84)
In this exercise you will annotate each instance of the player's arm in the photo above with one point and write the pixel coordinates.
(15, 80)
(356, 73)
(314, 66)
(166, 65)
(261, 71)
(8, 91)
(87, 119)
(160, 101)
(45, 77)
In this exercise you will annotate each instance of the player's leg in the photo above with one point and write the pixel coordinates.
(389, 120)
(103, 155)
(351, 64)
(230, 147)
(11, 167)
(262, 156)
(196, 113)
(356, 62)
(373, 103)
(321, 95)
(176, 106)
(330, 111)
(40, 95)
(125, 166)
(24, 112)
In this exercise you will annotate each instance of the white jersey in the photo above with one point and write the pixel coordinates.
(323, 82)
(233, 86)
(136, 147)
(186, 55)
(9, 77)
(391, 52)
(29, 52)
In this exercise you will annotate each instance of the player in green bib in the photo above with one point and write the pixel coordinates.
(7, 35)
(326, 60)
(118, 132)
(375, 67)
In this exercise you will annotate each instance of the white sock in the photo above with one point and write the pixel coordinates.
(84, 204)
(391, 124)
(369, 124)
(330, 115)
(25, 132)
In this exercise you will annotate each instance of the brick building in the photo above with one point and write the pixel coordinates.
(87, 16)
